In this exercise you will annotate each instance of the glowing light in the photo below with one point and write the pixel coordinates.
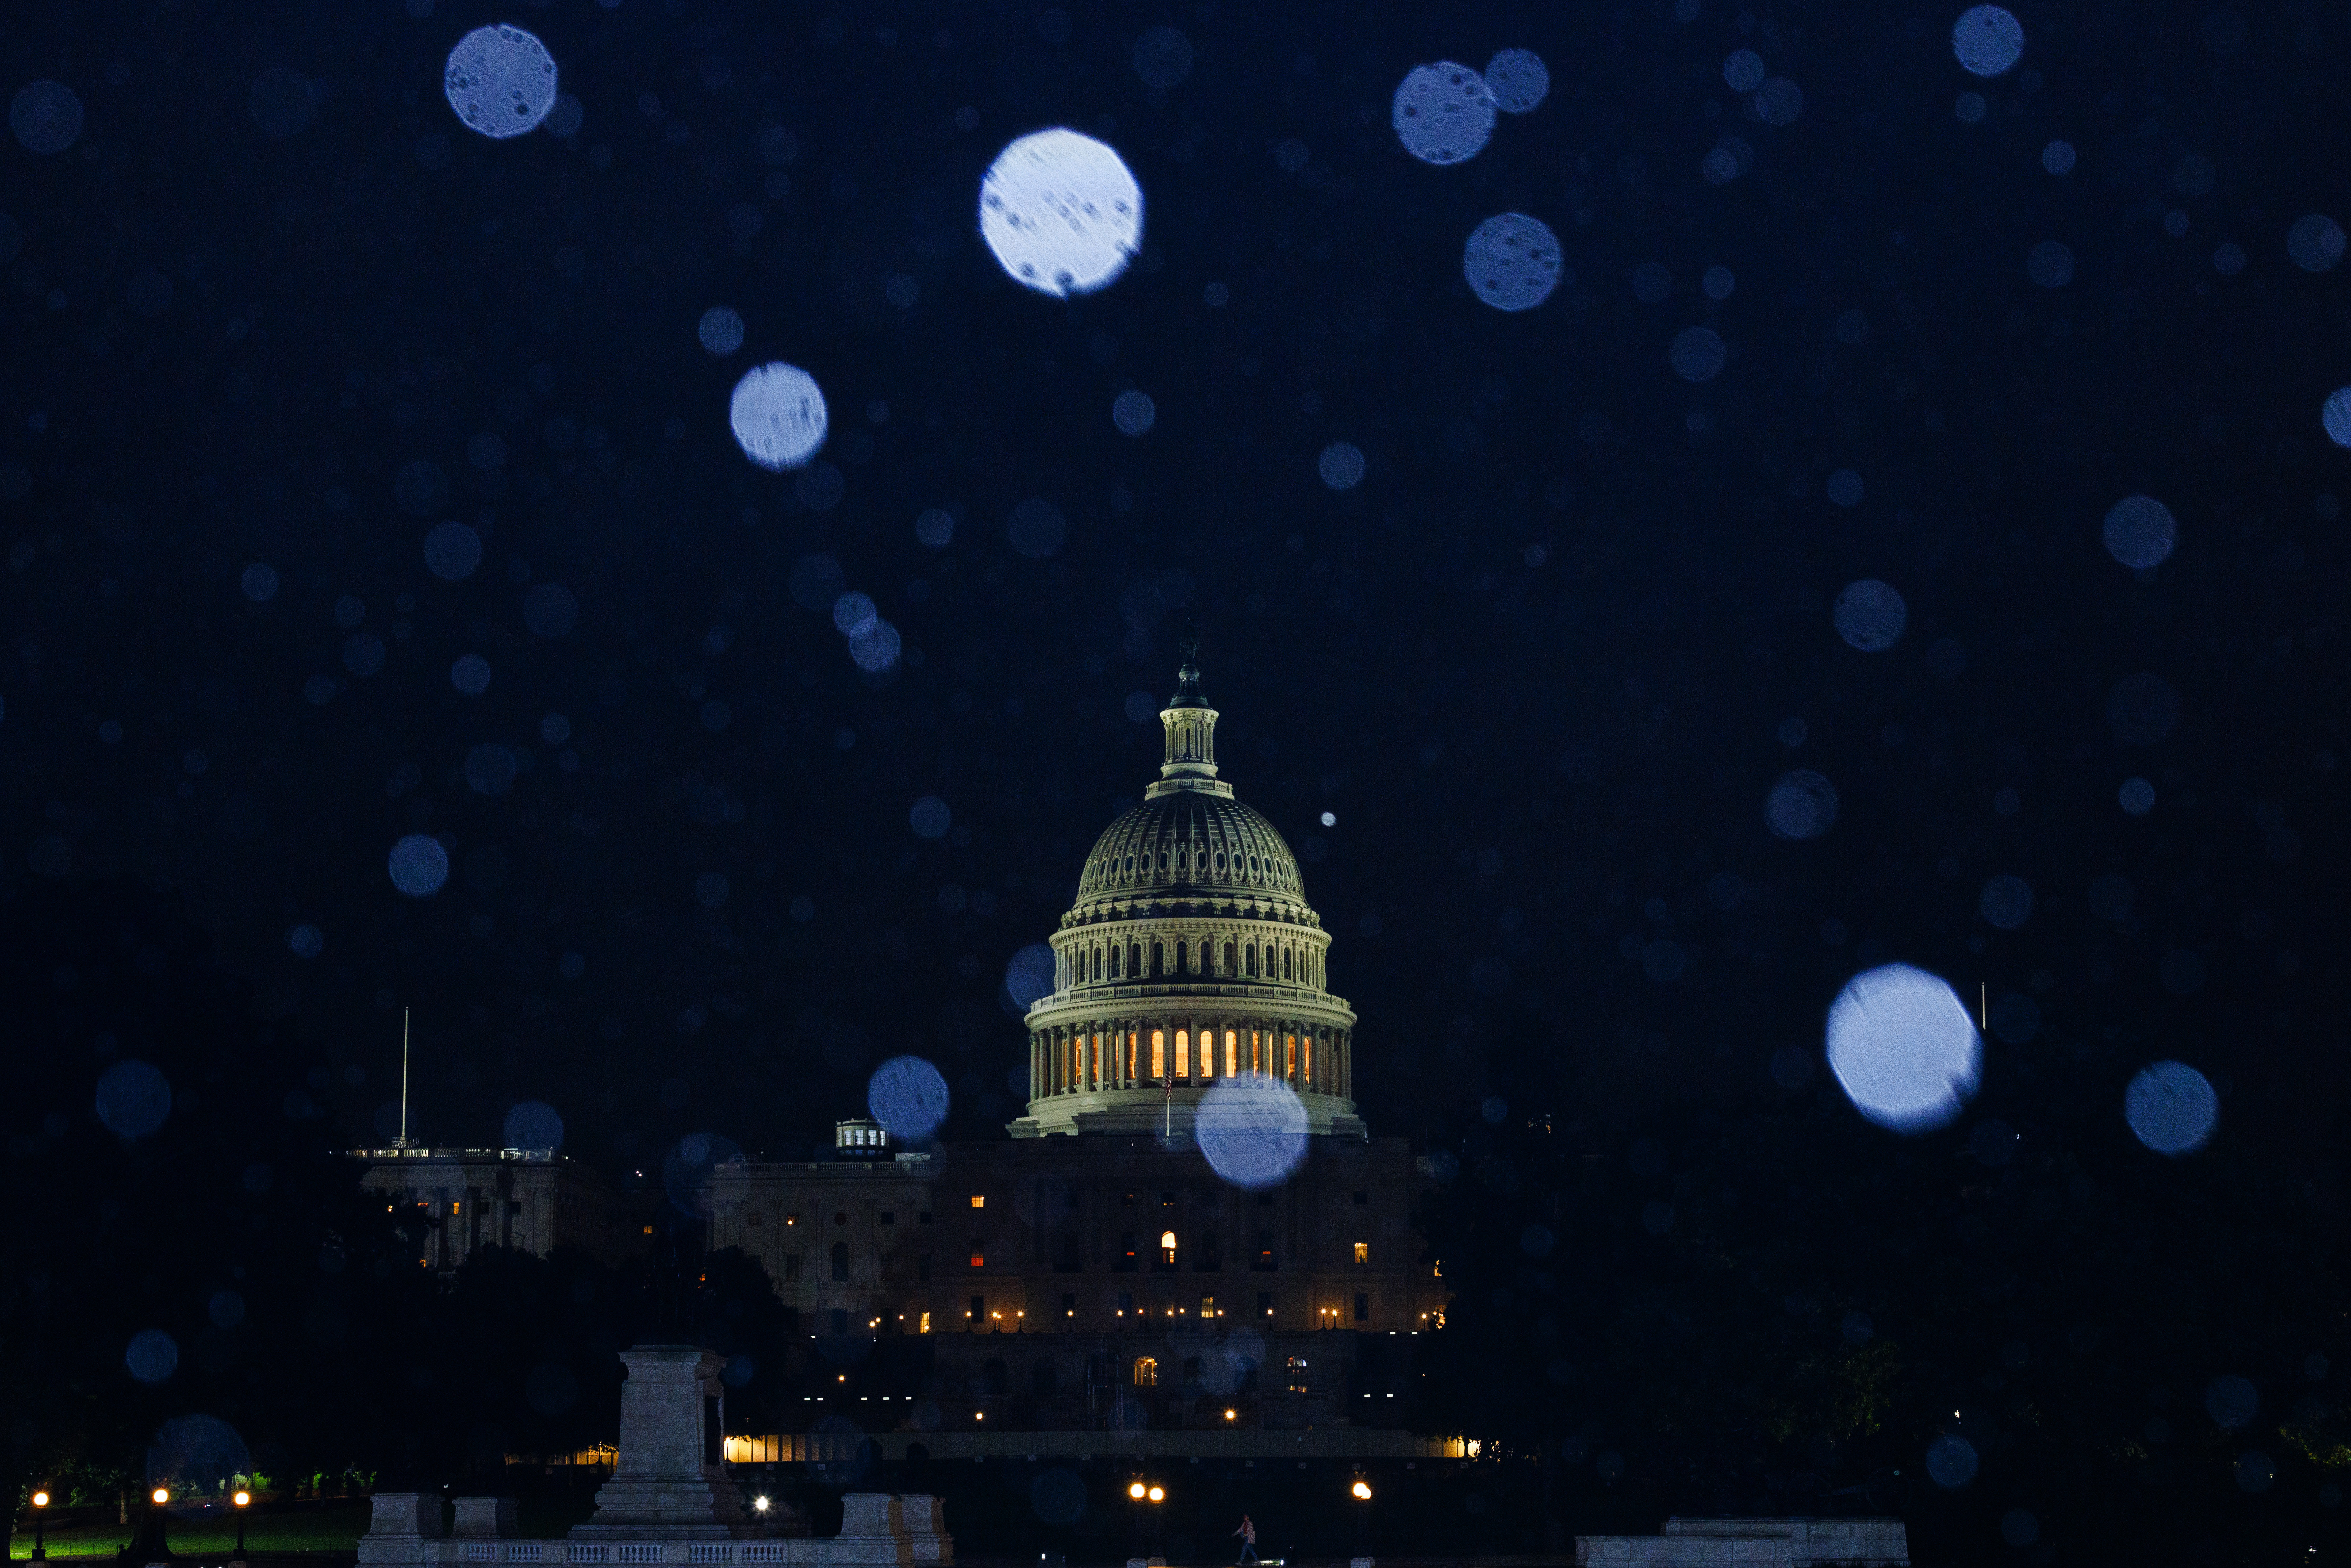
(1870, 615)
(45, 116)
(419, 865)
(2314, 241)
(2334, 415)
(2139, 530)
(241, 1498)
(1519, 81)
(134, 1099)
(452, 551)
(760, 1503)
(1442, 113)
(1512, 262)
(1987, 40)
(40, 1499)
(1802, 805)
(1158, 1494)
(1134, 412)
(1697, 354)
(1135, 1492)
(1251, 1131)
(534, 1124)
(501, 80)
(1363, 1491)
(777, 416)
(1904, 1047)
(161, 1495)
(1951, 1460)
(2171, 1108)
(909, 1097)
(1341, 466)
(720, 329)
(1060, 211)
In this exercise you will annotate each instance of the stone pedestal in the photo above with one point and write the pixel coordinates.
(927, 1529)
(402, 1522)
(668, 1483)
(485, 1516)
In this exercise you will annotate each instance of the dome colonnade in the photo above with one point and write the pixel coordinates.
(1190, 958)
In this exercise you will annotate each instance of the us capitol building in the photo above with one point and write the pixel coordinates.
(1089, 1269)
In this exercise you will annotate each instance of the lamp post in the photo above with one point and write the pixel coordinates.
(40, 1512)
(1362, 1492)
(1151, 1495)
(149, 1544)
(241, 1500)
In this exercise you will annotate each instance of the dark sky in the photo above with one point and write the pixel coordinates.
(1539, 665)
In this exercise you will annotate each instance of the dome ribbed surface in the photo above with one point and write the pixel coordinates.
(1190, 845)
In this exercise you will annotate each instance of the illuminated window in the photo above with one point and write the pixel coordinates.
(1363, 1251)
(456, 1206)
(926, 1327)
(980, 1200)
(1167, 1247)
(1207, 1307)
(1183, 1054)
(1147, 1372)
(1158, 1056)
(649, 1230)
(1232, 1054)
(980, 1254)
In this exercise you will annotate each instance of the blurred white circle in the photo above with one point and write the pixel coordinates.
(2171, 1108)
(1512, 261)
(1442, 113)
(1903, 1047)
(1518, 78)
(501, 80)
(777, 416)
(1060, 211)
(1252, 1131)
(908, 1097)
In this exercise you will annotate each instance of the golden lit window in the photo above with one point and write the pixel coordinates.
(456, 1206)
(980, 1200)
(1147, 1372)
(1363, 1251)
(1167, 1247)
(926, 1325)
(980, 1254)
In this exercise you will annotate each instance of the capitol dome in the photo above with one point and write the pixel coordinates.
(1190, 958)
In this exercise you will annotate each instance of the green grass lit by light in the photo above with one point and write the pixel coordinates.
(335, 1528)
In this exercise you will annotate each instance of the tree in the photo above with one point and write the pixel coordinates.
(181, 1242)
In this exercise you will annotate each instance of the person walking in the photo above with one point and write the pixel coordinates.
(1247, 1533)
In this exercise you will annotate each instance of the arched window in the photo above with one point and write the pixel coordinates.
(1252, 960)
(991, 1376)
(1231, 968)
(840, 1261)
(1167, 1248)
(1285, 964)
(1114, 963)
(1147, 1372)
(1134, 961)
(1158, 958)
(1158, 1056)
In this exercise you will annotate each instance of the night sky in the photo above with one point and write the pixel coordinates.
(1542, 667)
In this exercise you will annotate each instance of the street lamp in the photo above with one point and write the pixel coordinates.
(1361, 1488)
(242, 1500)
(40, 1511)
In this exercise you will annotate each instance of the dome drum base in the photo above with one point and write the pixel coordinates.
(1143, 1111)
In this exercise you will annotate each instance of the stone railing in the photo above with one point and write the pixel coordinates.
(1753, 1544)
(877, 1530)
